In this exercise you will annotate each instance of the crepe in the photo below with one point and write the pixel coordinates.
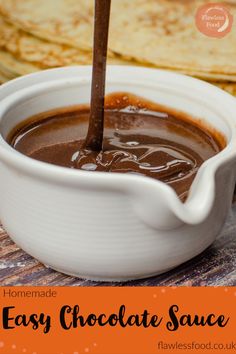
(43, 53)
(60, 21)
(3, 78)
(41, 34)
(161, 33)
(205, 76)
(227, 86)
(164, 33)
(13, 67)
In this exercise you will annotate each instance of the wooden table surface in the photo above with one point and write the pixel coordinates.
(214, 267)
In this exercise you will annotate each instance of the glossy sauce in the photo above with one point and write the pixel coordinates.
(140, 138)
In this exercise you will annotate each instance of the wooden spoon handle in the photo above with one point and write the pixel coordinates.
(94, 139)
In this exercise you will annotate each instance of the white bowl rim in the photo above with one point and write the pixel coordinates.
(69, 177)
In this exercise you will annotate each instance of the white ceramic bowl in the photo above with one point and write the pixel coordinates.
(112, 226)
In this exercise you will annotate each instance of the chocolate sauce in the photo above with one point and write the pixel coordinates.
(140, 138)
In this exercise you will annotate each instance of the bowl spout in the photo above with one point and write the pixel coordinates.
(158, 205)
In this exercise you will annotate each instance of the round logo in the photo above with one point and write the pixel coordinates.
(214, 20)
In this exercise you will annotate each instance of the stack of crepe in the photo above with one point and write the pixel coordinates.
(41, 34)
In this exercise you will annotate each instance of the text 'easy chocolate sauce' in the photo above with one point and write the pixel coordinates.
(140, 138)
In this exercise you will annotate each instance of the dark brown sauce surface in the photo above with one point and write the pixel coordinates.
(140, 137)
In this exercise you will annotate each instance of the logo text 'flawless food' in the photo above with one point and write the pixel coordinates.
(214, 20)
